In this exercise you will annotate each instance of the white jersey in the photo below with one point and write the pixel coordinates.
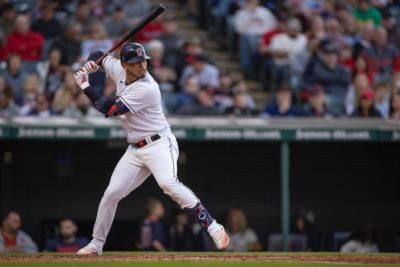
(142, 98)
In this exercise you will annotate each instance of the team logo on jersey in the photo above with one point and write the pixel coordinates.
(139, 51)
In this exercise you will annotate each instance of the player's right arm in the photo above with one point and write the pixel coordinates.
(108, 106)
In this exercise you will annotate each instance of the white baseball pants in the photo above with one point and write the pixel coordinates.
(158, 158)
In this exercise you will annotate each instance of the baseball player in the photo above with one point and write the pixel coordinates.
(152, 148)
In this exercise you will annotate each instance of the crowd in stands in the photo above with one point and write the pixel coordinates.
(316, 57)
(183, 234)
(320, 58)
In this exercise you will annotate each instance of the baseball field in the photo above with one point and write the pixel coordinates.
(203, 260)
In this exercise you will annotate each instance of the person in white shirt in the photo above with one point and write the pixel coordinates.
(152, 149)
(251, 22)
(285, 49)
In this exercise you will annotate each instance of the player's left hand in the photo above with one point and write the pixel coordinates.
(82, 79)
(90, 67)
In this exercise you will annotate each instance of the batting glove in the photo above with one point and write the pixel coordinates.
(82, 79)
(90, 67)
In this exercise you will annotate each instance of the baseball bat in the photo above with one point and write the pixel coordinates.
(139, 26)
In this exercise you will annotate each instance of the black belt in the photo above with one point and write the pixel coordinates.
(146, 141)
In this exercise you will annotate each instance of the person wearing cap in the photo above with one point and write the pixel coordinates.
(282, 105)
(324, 69)
(366, 108)
(316, 106)
(207, 74)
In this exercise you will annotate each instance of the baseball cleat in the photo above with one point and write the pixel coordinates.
(220, 237)
(89, 250)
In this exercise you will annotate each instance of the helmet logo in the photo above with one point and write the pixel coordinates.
(139, 51)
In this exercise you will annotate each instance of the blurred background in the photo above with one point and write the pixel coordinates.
(287, 113)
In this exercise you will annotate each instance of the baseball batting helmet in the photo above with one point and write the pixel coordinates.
(133, 53)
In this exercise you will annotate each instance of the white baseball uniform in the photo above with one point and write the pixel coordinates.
(159, 157)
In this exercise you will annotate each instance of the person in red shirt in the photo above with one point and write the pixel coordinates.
(153, 30)
(12, 238)
(23, 41)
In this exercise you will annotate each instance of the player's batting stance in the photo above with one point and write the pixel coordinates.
(152, 149)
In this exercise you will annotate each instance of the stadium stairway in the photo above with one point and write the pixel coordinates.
(223, 59)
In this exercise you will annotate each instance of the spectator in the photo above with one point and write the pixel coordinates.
(304, 224)
(206, 73)
(362, 240)
(382, 98)
(135, 9)
(316, 33)
(281, 105)
(360, 82)
(242, 238)
(172, 40)
(31, 90)
(366, 107)
(333, 33)
(204, 104)
(382, 57)
(41, 107)
(12, 238)
(361, 68)
(7, 105)
(364, 39)
(191, 48)
(66, 94)
(395, 106)
(117, 24)
(240, 107)
(152, 232)
(317, 103)
(82, 16)
(47, 24)
(251, 22)
(15, 76)
(24, 42)
(81, 106)
(97, 40)
(69, 43)
(151, 31)
(159, 67)
(324, 70)
(283, 48)
(185, 236)
(365, 12)
(67, 241)
(392, 27)
(187, 96)
(51, 72)
(7, 20)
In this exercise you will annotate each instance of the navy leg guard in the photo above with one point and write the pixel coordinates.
(201, 214)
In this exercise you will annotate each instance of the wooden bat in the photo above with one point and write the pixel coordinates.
(139, 26)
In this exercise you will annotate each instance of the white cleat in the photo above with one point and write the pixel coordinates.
(89, 250)
(220, 237)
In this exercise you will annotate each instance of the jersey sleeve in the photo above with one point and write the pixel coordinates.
(112, 67)
(138, 98)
